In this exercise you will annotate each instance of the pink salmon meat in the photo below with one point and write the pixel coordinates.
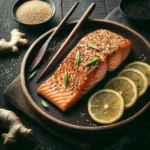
(72, 80)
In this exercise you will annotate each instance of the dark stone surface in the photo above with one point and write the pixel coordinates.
(137, 138)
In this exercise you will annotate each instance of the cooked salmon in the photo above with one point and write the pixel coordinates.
(72, 80)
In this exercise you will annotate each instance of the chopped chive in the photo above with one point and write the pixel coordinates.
(65, 78)
(32, 75)
(94, 60)
(77, 57)
(93, 46)
(43, 103)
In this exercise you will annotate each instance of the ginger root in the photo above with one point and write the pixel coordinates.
(9, 120)
(16, 39)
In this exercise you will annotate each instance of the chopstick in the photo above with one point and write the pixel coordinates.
(42, 50)
(69, 38)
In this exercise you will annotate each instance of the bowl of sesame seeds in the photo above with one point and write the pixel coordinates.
(33, 12)
(137, 10)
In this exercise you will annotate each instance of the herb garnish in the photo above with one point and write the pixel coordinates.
(43, 103)
(77, 57)
(65, 78)
(92, 61)
(32, 75)
(93, 46)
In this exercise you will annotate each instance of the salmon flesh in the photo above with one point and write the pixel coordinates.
(96, 52)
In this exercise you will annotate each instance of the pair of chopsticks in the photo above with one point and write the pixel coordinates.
(42, 51)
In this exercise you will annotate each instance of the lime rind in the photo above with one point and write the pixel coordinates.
(103, 121)
(145, 83)
(125, 88)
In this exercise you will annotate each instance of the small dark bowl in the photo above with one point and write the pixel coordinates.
(20, 2)
(135, 20)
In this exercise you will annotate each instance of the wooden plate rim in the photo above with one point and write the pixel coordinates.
(68, 125)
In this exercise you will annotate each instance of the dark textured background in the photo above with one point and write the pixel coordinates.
(136, 138)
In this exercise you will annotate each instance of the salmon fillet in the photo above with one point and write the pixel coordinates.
(111, 49)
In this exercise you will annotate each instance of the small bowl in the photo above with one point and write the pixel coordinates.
(136, 20)
(20, 2)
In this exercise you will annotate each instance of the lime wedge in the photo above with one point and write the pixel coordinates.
(106, 106)
(138, 77)
(126, 87)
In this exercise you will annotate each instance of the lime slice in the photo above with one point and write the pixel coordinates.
(138, 77)
(106, 106)
(141, 66)
(126, 87)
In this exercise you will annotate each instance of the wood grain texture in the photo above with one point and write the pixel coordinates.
(137, 138)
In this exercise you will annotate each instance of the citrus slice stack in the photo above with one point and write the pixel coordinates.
(126, 87)
(138, 77)
(141, 66)
(106, 106)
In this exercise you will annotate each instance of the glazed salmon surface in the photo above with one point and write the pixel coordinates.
(112, 49)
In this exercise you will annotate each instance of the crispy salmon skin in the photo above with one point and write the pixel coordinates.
(98, 52)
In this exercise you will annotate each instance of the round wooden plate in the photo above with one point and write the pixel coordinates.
(77, 118)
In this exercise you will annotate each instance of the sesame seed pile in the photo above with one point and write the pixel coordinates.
(34, 12)
(137, 9)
